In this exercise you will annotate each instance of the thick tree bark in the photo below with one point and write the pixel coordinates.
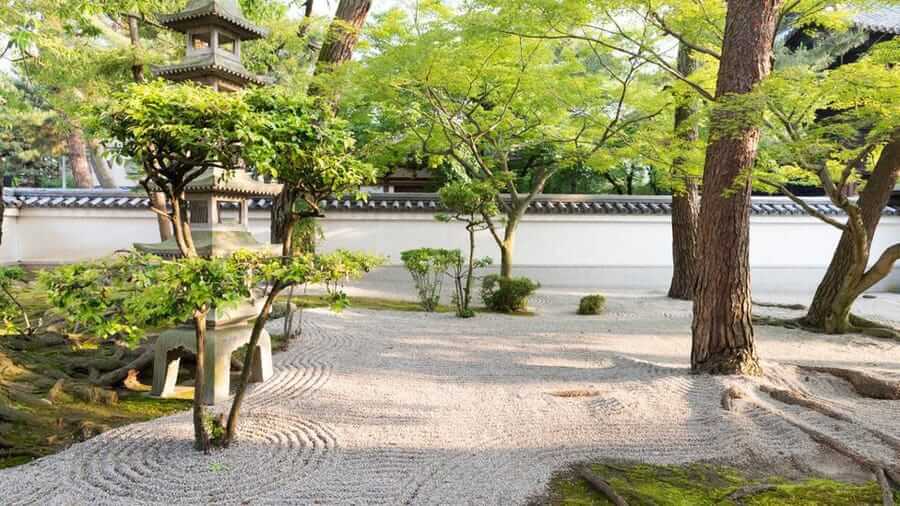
(722, 330)
(685, 201)
(78, 161)
(343, 34)
(823, 311)
(101, 166)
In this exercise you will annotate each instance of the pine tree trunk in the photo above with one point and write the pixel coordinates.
(343, 34)
(685, 201)
(722, 331)
(872, 202)
(101, 167)
(78, 162)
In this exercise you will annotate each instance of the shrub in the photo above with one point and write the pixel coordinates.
(507, 295)
(427, 267)
(592, 304)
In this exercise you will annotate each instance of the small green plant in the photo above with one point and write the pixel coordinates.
(507, 295)
(427, 267)
(592, 304)
(472, 203)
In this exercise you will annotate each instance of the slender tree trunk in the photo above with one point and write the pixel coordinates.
(2, 205)
(201, 437)
(157, 199)
(470, 273)
(826, 306)
(685, 200)
(507, 245)
(137, 66)
(722, 330)
(287, 249)
(101, 166)
(78, 162)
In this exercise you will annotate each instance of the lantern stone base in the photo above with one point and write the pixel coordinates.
(220, 343)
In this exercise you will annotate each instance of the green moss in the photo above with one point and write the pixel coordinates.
(591, 304)
(698, 484)
(374, 303)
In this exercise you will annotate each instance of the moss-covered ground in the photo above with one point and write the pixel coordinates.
(700, 484)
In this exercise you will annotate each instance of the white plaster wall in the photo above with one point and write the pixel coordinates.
(786, 253)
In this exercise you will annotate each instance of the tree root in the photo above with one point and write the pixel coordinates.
(797, 399)
(113, 378)
(881, 470)
(865, 384)
(873, 328)
(788, 323)
(87, 393)
(796, 307)
(748, 491)
(602, 486)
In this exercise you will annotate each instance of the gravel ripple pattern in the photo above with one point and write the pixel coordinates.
(380, 407)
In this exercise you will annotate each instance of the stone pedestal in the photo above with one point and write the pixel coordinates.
(226, 332)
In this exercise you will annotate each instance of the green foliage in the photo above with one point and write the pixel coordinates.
(507, 295)
(427, 267)
(13, 313)
(176, 131)
(592, 304)
(311, 150)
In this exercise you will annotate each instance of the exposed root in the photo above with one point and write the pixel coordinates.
(788, 323)
(796, 307)
(887, 493)
(879, 469)
(602, 486)
(575, 393)
(865, 384)
(798, 399)
(872, 328)
(114, 377)
(738, 495)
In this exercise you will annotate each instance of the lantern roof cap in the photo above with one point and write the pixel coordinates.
(232, 182)
(211, 63)
(224, 13)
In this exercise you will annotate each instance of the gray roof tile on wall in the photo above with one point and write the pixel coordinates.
(419, 203)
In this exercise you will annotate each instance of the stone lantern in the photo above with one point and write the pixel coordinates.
(217, 202)
(213, 31)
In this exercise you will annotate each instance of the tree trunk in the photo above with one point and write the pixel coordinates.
(871, 203)
(101, 166)
(137, 66)
(201, 437)
(686, 200)
(343, 33)
(287, 248)
(722, 331)
(281, 214)
(81, 169)
(470, 272)
(506, 247)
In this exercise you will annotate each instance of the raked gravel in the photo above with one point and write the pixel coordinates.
(380, 407)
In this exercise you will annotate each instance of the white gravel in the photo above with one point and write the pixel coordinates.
(410, 408)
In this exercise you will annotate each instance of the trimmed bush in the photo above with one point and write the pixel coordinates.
(592, 304)
(427, 267)
(507, 295)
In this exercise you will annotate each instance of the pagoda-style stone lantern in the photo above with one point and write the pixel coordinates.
(214, 30)
(217, 202)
